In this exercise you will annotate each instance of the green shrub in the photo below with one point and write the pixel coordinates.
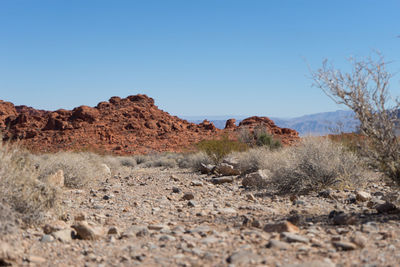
(258, 137)
(267, 140)
(217, 149)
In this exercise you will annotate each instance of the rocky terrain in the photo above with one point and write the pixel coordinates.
(132, 125)
(176, 217)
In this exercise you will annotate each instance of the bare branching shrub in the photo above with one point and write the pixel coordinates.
(79, 168)
(365, 90)
(20, 188)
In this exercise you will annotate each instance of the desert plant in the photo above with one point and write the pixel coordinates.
(267, 140)
(312, 165)
(217, 149)
(365, 90)
(258, 137)
(315, 164)
(20, 188)
(194, 160)
(79, 168)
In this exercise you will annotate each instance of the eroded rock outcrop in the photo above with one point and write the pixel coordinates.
(131, 125)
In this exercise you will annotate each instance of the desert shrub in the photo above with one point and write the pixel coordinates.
(365, 90)
(79, 168)
(312, 165)
(20, 188)
(127, 161)
(194, 160)
(267, 140)
(217, 149)
(315, 164)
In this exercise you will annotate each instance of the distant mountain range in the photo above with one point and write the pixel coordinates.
(313, 124)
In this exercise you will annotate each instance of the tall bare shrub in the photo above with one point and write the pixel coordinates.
(365, 90)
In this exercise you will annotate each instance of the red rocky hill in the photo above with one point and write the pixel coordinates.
(132, 125)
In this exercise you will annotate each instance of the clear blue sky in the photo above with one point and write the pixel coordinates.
(204, 57)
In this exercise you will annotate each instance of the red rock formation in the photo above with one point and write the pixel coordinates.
(230, 124)
(131, 125)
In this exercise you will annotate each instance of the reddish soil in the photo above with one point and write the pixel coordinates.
(132, 125)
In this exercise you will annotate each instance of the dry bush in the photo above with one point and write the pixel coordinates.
(365, 90)
(20, 188)
(128, 161)
(260, 158)
(194, 160)
(172, 160)
(315, 164)
(79, 168)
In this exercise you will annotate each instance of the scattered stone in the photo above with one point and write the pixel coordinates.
(281, 227)
(47, 239)
(87, 232)
(325, 193)
(166, 238)
(273, 243)
(156, 227)
(222, 180)
(64, 236)
(387, 207)
(344, 245)
(290, 238)
(192, 203)
(113, 230)
(206, 168)
(359, 239)
(227, 211)
(374, 202)
(36, 259)
(363, 196)
(135, 231)
(54, 227)
(318, 263)
(188, 196)
(225, 169)
(175, 190)
(81, 217)
(251, 197)
(243, 258)
(174, 178)
(341, 218)
(256, 179)
(196, 183)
